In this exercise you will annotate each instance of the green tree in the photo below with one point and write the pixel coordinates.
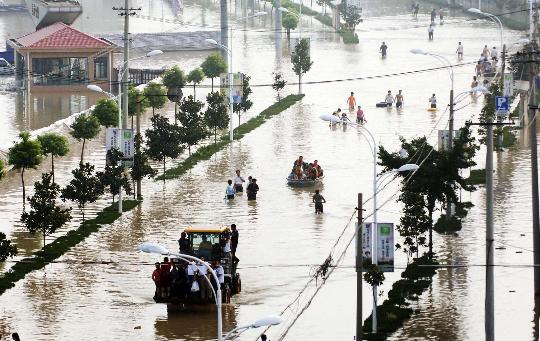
(85, 127)
(193, 127)
(137, 103)
(195, 77)
(163, 140)
(7, 250)
(174, 80)
(289, 22)
(246, 103)
(279, 84)
(156, 95)
(2, 170)
(216, 115)
(106, 111)
(301, 60)
(141, 166)
(113, 177)
(45, 216)
(54, 144)
(351, 14)
(414, 223)
(84, 188)
(213, 66)
(25, 154)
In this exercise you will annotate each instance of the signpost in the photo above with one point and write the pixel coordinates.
(237, 88)
(122, 139)
(385, 247)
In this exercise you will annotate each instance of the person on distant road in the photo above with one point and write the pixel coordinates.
(433, 15)
(430, 31)
(441, 15)
(383, 49)
(494, 55)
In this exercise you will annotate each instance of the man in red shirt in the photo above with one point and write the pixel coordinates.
(156, 277)
(164, 277)
(351, 101)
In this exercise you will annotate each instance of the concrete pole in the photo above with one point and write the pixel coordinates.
(224, 26)
(489, 304)
(359, 270)
(374, 236)
(138, 123)
(450, 143)
(531, 22)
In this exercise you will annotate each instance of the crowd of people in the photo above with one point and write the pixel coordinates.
(237, 187)
(303, 170)
(179, 279)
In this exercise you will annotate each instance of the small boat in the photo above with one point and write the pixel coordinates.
(307, 182)
(381, 105)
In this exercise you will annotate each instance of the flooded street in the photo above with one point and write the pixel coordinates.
(102, 288)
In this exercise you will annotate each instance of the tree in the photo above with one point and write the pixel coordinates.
(193, 127)
(6, 249)
(351, 14)
(25, 154)
(113, 177)
(54, 144)
(216, 114)
(84, 188)
(2, 170)
(213, 66)
(106, 111)
(174, 80)
(196, 76)
(163, 140)
(141, 166)
(84, 128)
(45, 216)
(279, 84)
(301, 61)
(156, 95)
(289, 22)
(414, 223)
(246, 103)
(137, 103)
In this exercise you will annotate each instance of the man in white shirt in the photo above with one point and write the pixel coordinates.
(238, 182)
(203, 283)
(459, 51)
(494, 54)
(430, 31)
(433, 101)
(389, 99)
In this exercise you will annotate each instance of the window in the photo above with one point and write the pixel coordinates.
(101, 70)
(60, 71)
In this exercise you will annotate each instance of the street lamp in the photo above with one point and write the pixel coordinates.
(262, 322)
(492, 17)
(407, 167)
(121, 71)
(159, 249)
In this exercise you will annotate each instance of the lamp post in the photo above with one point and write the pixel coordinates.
(407, 167)
(159, 249)
(121, 117)
(231, 102)
(494, 18)
(262, 322)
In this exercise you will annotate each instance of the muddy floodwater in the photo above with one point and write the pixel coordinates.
(101, 289)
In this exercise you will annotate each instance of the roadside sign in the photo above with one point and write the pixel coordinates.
(508, 84)
(385, 245)
(444, 136)
(501, 104)
(238, 86)
(122, 139)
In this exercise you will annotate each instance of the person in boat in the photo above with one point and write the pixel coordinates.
(318, 199)
(318, 168)
(156, 277)
(299, 162)
(238, 182)
(252, 190)
(298, 173)
(183, 243)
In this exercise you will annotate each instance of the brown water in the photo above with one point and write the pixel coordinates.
(281, 240)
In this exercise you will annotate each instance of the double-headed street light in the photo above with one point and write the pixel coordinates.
(407, 167)
(265, 321)
(121, 118)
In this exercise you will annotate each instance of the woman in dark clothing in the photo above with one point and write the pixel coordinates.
(183, 242)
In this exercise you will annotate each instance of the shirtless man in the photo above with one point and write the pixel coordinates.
(399, 100)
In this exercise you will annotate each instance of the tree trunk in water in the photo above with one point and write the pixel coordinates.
(153, 111)
(430, 255)
(212, 84)
(23, 189)
(215, 135)
(82, 211)
(82, 150)
(175, 112)
(163, 165)
(132, 122)
(44, 238)
(289, 36)
(189, 149)
(52, 166)
(238, 120)
(194, 95)
(300, 83)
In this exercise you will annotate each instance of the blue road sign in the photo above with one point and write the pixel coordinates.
(501, 104)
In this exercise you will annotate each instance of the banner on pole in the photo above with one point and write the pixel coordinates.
(385, 245)
(508, 84)
(237, 88)
(123, 140)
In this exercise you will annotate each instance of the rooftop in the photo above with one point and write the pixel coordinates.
(60, 35)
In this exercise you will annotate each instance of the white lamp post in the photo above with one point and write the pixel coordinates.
(492, 17)
(121, 71)
(262, 322)
(159, 249)
(407, 167)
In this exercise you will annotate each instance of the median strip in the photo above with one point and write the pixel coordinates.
(206, 152)
(62, 244)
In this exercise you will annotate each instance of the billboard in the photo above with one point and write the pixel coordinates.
(122, 139)
(385, 245)
(237, 88)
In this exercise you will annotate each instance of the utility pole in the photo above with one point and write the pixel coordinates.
(450, 145)
(138, 122)
(489, 323)
(499, 119)
(359, 270)
(123, 71)
(224, 27)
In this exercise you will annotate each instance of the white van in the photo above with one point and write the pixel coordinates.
(6, 68)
